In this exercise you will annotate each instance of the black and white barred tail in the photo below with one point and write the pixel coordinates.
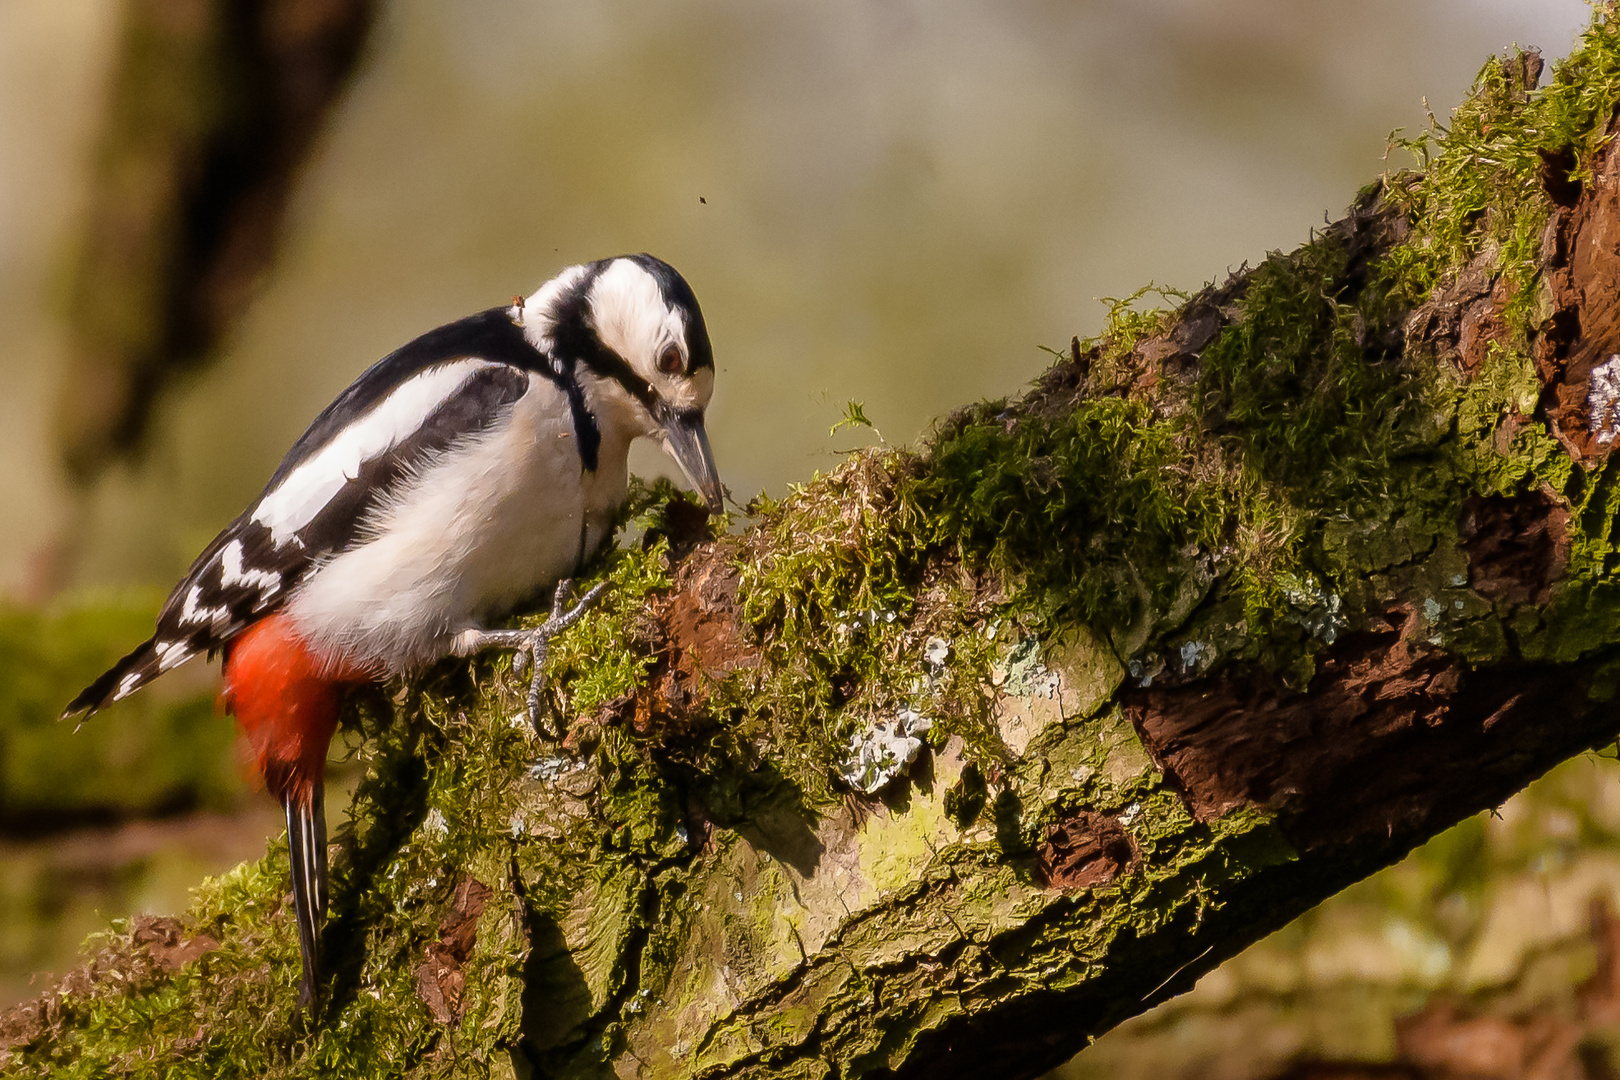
(306, 847)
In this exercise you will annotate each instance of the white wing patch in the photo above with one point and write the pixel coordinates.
(127, 685)
(303, 493)
(199, 614)
(232, 573)
(172, 654)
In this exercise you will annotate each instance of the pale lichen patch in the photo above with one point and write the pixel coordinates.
(1088, 672)
(597, 927)
(1019, 720)
(1317, 610)
(1603, 401)
(1124, 759)
(882, 752)
(549, 808)
(1034, 697)
(998, 900)
(753, 904)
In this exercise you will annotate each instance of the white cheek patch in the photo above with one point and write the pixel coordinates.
(629, 315)
(305, 491)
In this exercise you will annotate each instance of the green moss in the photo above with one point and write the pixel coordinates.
(1480, 179)
(439, 788)
(1128, 322)
(1091, 510)
(1317, 472)
(1306, 384)
(600, 660)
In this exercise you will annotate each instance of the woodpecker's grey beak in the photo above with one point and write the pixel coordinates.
(687, 442)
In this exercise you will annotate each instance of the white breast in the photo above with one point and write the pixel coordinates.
(481, 527)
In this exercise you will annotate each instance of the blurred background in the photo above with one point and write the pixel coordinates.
(213, 215)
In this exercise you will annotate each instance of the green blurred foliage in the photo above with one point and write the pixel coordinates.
(165, 750)
(125, 812)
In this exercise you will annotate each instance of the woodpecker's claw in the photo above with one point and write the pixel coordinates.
(562, 617)
(531, 645)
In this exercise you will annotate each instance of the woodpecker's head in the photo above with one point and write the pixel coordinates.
(633, 324)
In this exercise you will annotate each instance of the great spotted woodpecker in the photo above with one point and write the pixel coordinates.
(452, 480)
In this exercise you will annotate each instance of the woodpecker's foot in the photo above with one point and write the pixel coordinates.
(531, 645)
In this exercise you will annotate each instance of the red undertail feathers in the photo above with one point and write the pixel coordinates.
(286, 699)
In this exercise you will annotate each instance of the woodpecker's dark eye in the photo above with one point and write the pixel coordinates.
(669, 361)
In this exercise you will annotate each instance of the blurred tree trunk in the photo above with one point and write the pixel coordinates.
(1236, 605)
(213, 107)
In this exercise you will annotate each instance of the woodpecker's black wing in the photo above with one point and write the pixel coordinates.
(447, 385)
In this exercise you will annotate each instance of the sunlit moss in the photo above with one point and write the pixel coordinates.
(1307, 382)
(1481, 175)
(1089, 508)
(1127, 322)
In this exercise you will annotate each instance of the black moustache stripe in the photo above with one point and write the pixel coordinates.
(610, 365)
(575, 341)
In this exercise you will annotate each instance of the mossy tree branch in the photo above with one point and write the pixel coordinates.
(1238, 604)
